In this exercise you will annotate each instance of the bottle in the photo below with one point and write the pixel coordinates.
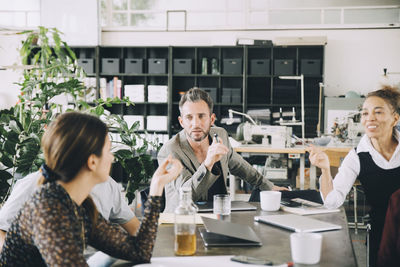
(214, 66)
(204, 66)
(185, 225)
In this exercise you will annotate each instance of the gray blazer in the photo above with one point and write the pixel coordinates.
(197, 175)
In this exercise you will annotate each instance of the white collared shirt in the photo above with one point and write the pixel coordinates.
(350, 169)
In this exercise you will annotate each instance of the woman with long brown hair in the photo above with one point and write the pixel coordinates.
(60, 220)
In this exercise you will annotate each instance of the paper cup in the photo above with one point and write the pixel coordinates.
(306, 247)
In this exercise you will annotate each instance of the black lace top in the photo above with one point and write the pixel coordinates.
(48, 231)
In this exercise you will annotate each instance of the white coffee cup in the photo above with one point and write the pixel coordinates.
(270, 200)
(306, 247)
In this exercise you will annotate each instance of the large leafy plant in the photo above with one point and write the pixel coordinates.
(131, 151)
(51, 70)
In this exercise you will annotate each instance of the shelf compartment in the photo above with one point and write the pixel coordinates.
(258, 91)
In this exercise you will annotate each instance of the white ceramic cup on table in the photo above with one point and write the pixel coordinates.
(270, 200)
(306, 247)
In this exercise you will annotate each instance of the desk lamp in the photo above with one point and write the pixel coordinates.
(301, 78)
(230, 120)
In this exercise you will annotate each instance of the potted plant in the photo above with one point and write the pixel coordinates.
(51, 70)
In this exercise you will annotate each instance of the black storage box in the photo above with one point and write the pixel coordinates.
(212, 91)
(236, 96)
(310, 66)
(134, 65)
(183, 66)
(226, 95)
(232, 66)
(87, 65)
(260, 67)
(284, 67)
(231, 95)
(157, 65)
(110, 65)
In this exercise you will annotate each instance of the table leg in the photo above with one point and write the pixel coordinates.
(355, 209)
(302, 164)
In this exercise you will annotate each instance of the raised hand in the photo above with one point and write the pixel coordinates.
(279, 188)
(318, 158)
(215, 152)
(169, 169)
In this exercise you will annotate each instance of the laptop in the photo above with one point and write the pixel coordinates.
(297, 223)
(235, 206)
(219, 233)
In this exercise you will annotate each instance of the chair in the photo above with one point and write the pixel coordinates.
(367, 221)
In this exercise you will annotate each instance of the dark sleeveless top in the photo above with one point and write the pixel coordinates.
(379, 184)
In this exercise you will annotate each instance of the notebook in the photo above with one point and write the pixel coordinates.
(304, 207)
(169, 218)
(219, 233)
(235, 206)
(297, 223)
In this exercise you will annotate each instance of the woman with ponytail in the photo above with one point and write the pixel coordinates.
(60, 220)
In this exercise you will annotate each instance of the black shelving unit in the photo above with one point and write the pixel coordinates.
(237, 77)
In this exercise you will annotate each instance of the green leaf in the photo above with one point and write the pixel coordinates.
(13, 126)
(99, 110)
(126, 139)
(13, 137)
(9, 147)
(7, 161)
(123, 153)
(135, 126)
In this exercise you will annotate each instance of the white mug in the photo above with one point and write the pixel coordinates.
(270, 200)
(306, 247)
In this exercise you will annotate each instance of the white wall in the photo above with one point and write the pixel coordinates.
(77, 19)
(354, 59)
(9, 55)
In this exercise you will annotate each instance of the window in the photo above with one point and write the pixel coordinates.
(241, 15)
(20, 13)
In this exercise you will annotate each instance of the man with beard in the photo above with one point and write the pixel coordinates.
(206, 159)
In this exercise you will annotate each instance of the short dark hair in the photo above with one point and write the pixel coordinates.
(194, 95)
(390, 94)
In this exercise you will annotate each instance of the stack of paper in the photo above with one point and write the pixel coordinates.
(307, 208)
(135, 92)
(157, 123)
(157, 93)
(169, 218)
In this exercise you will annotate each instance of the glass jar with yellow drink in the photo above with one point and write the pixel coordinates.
(185, 224)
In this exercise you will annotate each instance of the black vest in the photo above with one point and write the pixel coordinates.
(379, 184)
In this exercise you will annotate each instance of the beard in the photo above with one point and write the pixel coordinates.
(198, 137)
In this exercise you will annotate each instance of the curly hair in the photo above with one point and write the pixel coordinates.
(390, 94)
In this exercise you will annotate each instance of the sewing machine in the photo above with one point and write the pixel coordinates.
(275, 136)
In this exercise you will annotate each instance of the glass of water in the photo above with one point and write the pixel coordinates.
(222, 204)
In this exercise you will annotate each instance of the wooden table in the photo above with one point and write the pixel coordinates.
(337, 248)
(335, 154)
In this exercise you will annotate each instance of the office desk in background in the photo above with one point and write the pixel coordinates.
(335, 154)
(337, 249)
